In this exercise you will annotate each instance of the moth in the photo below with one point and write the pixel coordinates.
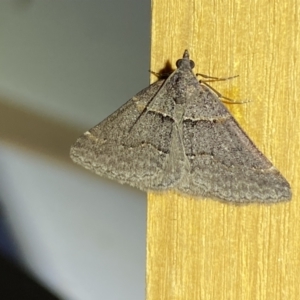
(177, 135)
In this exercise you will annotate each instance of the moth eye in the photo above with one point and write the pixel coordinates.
(178, 63)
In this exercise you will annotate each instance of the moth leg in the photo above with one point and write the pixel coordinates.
(212, 79)
(229, 100)
(161, 75)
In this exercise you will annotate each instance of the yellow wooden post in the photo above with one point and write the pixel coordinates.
(204, 249)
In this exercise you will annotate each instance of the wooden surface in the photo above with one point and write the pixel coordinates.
(207, 249)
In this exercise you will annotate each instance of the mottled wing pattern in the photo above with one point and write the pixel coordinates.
(132, 145)
(224, 162)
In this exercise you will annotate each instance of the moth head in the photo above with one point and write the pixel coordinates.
(185, 62)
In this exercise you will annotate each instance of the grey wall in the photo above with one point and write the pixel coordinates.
(64, 66)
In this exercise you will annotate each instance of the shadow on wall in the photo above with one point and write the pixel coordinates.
(23, 128)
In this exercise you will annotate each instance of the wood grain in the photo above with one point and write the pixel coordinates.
(208, 249)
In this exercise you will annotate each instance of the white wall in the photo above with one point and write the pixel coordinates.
(64, 66)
